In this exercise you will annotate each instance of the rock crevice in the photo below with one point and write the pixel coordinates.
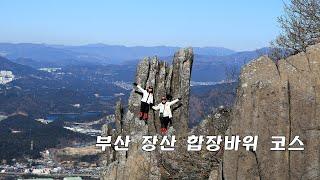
(173, 80)
(277, 101)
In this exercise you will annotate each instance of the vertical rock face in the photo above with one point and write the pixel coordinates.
(180, 87)
(118, 117)
(173, 80)
(203, 164)
(277, 101)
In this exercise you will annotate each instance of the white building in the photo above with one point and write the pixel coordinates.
(41, 171)
(6, 76)
(50, 70)
(43, 121)
(76, 105)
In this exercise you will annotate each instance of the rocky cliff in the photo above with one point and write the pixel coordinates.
(166, 79)
(277, 100)
(272, 100)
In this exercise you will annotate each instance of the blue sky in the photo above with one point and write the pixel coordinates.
(235, 24)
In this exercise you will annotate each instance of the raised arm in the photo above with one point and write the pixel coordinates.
(174, 101)
(140, 88)
(157, 107)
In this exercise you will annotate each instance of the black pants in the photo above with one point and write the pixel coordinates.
(144, 111)
(165, 122)
(144, 107)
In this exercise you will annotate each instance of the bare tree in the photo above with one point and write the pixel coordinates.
(300, 26)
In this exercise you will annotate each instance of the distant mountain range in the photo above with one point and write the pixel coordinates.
(121, 53)
(87, 77)
(93, 53)
(41, 55)
(38, 92)
(209, 62)
(19, 69)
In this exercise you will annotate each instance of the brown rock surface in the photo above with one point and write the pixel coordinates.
(173, 80)
(281, 101)
(203, 164)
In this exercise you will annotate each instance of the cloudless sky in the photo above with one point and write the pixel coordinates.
(235, 24)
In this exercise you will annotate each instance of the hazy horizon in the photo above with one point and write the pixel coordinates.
(130, 46)
(236, 25)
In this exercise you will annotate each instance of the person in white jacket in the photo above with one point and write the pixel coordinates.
(165, 113)
(146, 101)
